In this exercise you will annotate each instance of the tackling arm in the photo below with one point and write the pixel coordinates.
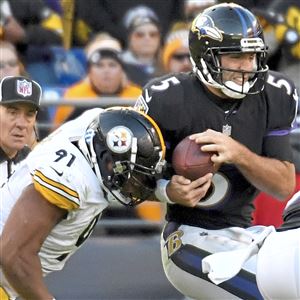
(28, 225)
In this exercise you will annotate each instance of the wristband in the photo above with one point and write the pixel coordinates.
(161, 191)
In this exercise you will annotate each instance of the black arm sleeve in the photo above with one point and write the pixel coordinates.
(278, 147)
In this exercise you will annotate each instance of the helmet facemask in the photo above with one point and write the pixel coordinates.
(125, 180)
(133, 187)
(209, 70)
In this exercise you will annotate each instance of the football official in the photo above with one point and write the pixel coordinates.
(51, 204)
(242, 111)
(19, 103)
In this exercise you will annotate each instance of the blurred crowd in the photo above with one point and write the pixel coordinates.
(91, 49)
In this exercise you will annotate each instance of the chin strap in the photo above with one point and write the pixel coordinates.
(230, 87)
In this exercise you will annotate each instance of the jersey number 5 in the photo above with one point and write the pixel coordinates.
(165, 84)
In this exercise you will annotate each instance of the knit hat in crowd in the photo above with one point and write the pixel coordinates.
(102, 41)
(20, 89)
(102, 46)
(99, 54)
(175, 40)
(138, 16)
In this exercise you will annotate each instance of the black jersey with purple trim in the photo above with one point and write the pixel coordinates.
(182, 105)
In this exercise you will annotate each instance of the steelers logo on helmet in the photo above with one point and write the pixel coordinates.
(119, 139)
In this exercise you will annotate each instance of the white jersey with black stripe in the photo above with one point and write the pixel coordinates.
(63, 176)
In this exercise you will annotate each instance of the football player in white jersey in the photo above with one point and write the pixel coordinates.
(278, 260)
(51, 204)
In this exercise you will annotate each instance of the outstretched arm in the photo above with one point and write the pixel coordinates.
(28, 225)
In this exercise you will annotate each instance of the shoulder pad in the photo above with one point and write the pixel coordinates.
(162, 91)
(282, 99)
(277, 81)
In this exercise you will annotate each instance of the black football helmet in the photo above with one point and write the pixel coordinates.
(127, 152)
(223, 29)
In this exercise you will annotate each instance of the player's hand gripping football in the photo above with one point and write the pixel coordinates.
(228, 150)
(186, 192)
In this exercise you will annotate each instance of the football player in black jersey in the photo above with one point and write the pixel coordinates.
(242, 111)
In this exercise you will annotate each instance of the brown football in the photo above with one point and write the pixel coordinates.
(189, 161)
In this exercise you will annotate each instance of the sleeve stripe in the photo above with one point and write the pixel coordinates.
(3, 294)
(279, 132)
(49, 182)
(54, 192)
(55, 197)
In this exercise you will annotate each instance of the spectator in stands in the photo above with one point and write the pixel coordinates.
(19, 102)
(144, 43)
(92, 16)
(175, 53)
(105, 77)
(29, 23)
(11, 65)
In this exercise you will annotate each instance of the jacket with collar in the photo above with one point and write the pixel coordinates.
(8, 165)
